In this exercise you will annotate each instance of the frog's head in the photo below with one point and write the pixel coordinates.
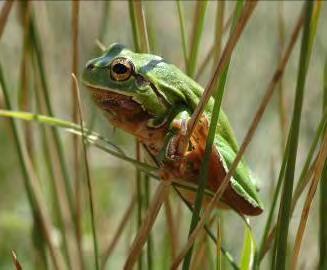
(120, 74)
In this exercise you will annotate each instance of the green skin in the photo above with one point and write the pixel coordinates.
(167, 94)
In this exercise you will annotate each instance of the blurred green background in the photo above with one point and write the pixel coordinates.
(113, 180)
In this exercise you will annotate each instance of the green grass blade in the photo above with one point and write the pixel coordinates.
(180, 11)
(198, 26)
(204, 170)
(219, 31)
(139, 29)
(286, 199)
(248, 250)
(323, 195)
(219, 261)
(135, 28)
(227, 255)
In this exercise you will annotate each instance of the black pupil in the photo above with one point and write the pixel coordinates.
(120, 69)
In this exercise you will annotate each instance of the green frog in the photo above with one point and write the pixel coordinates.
(152, 99)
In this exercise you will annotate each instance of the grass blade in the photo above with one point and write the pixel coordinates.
(16, 261)
(323, 193)
(248, 250)
(76, 118)
(199, 16)
(160, 196)
(45, 87)
(4, 15)
(248, 9)
(279, 260)
(33, 191)
(88, 175)
(281, 96)
(179, 4)
(318, 168)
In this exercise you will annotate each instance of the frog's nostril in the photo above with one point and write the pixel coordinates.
(90, 66)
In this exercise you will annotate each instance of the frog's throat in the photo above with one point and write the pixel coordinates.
(110, 99)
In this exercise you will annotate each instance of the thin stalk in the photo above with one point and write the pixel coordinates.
(180, 11)
(303, 179)
(149, 247)
(281, 97)
(88, 176)
(284, 60)
(135, 28)
(219, 31)
(322, 156)
(259, 113)
(279, 258)
(227, 255)
(247, 11)
(15, 260)
(33, 191)
(25, 103)
(160, 196)
(265, 237)
(75, 116)
(4, 15)
(59, 148)
(323, 193)
(301, 184)
(141, 22)
(139, 194)
(198, 26)
(219, 245)
(99, 142)
(59, 188)
(204, 170)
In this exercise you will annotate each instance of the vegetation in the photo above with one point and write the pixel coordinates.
(75, 193)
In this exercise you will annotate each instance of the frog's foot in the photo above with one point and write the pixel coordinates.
(174, 151)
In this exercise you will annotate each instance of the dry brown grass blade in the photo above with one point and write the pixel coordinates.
(319, 165)
(259, 113)
(15, 261)
(75, 116)
(225, 57)
(58, 259)
(4, 15)
(118, 233)
(281, 97)
(88, 177)
(160, 196)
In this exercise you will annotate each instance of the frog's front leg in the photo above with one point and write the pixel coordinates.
(172, 156)
(177, 131)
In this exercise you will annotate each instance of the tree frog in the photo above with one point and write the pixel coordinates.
(152, 99)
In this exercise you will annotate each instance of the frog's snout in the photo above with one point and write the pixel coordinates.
(90, 66)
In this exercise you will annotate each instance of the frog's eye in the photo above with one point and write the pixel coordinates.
(121, 69)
